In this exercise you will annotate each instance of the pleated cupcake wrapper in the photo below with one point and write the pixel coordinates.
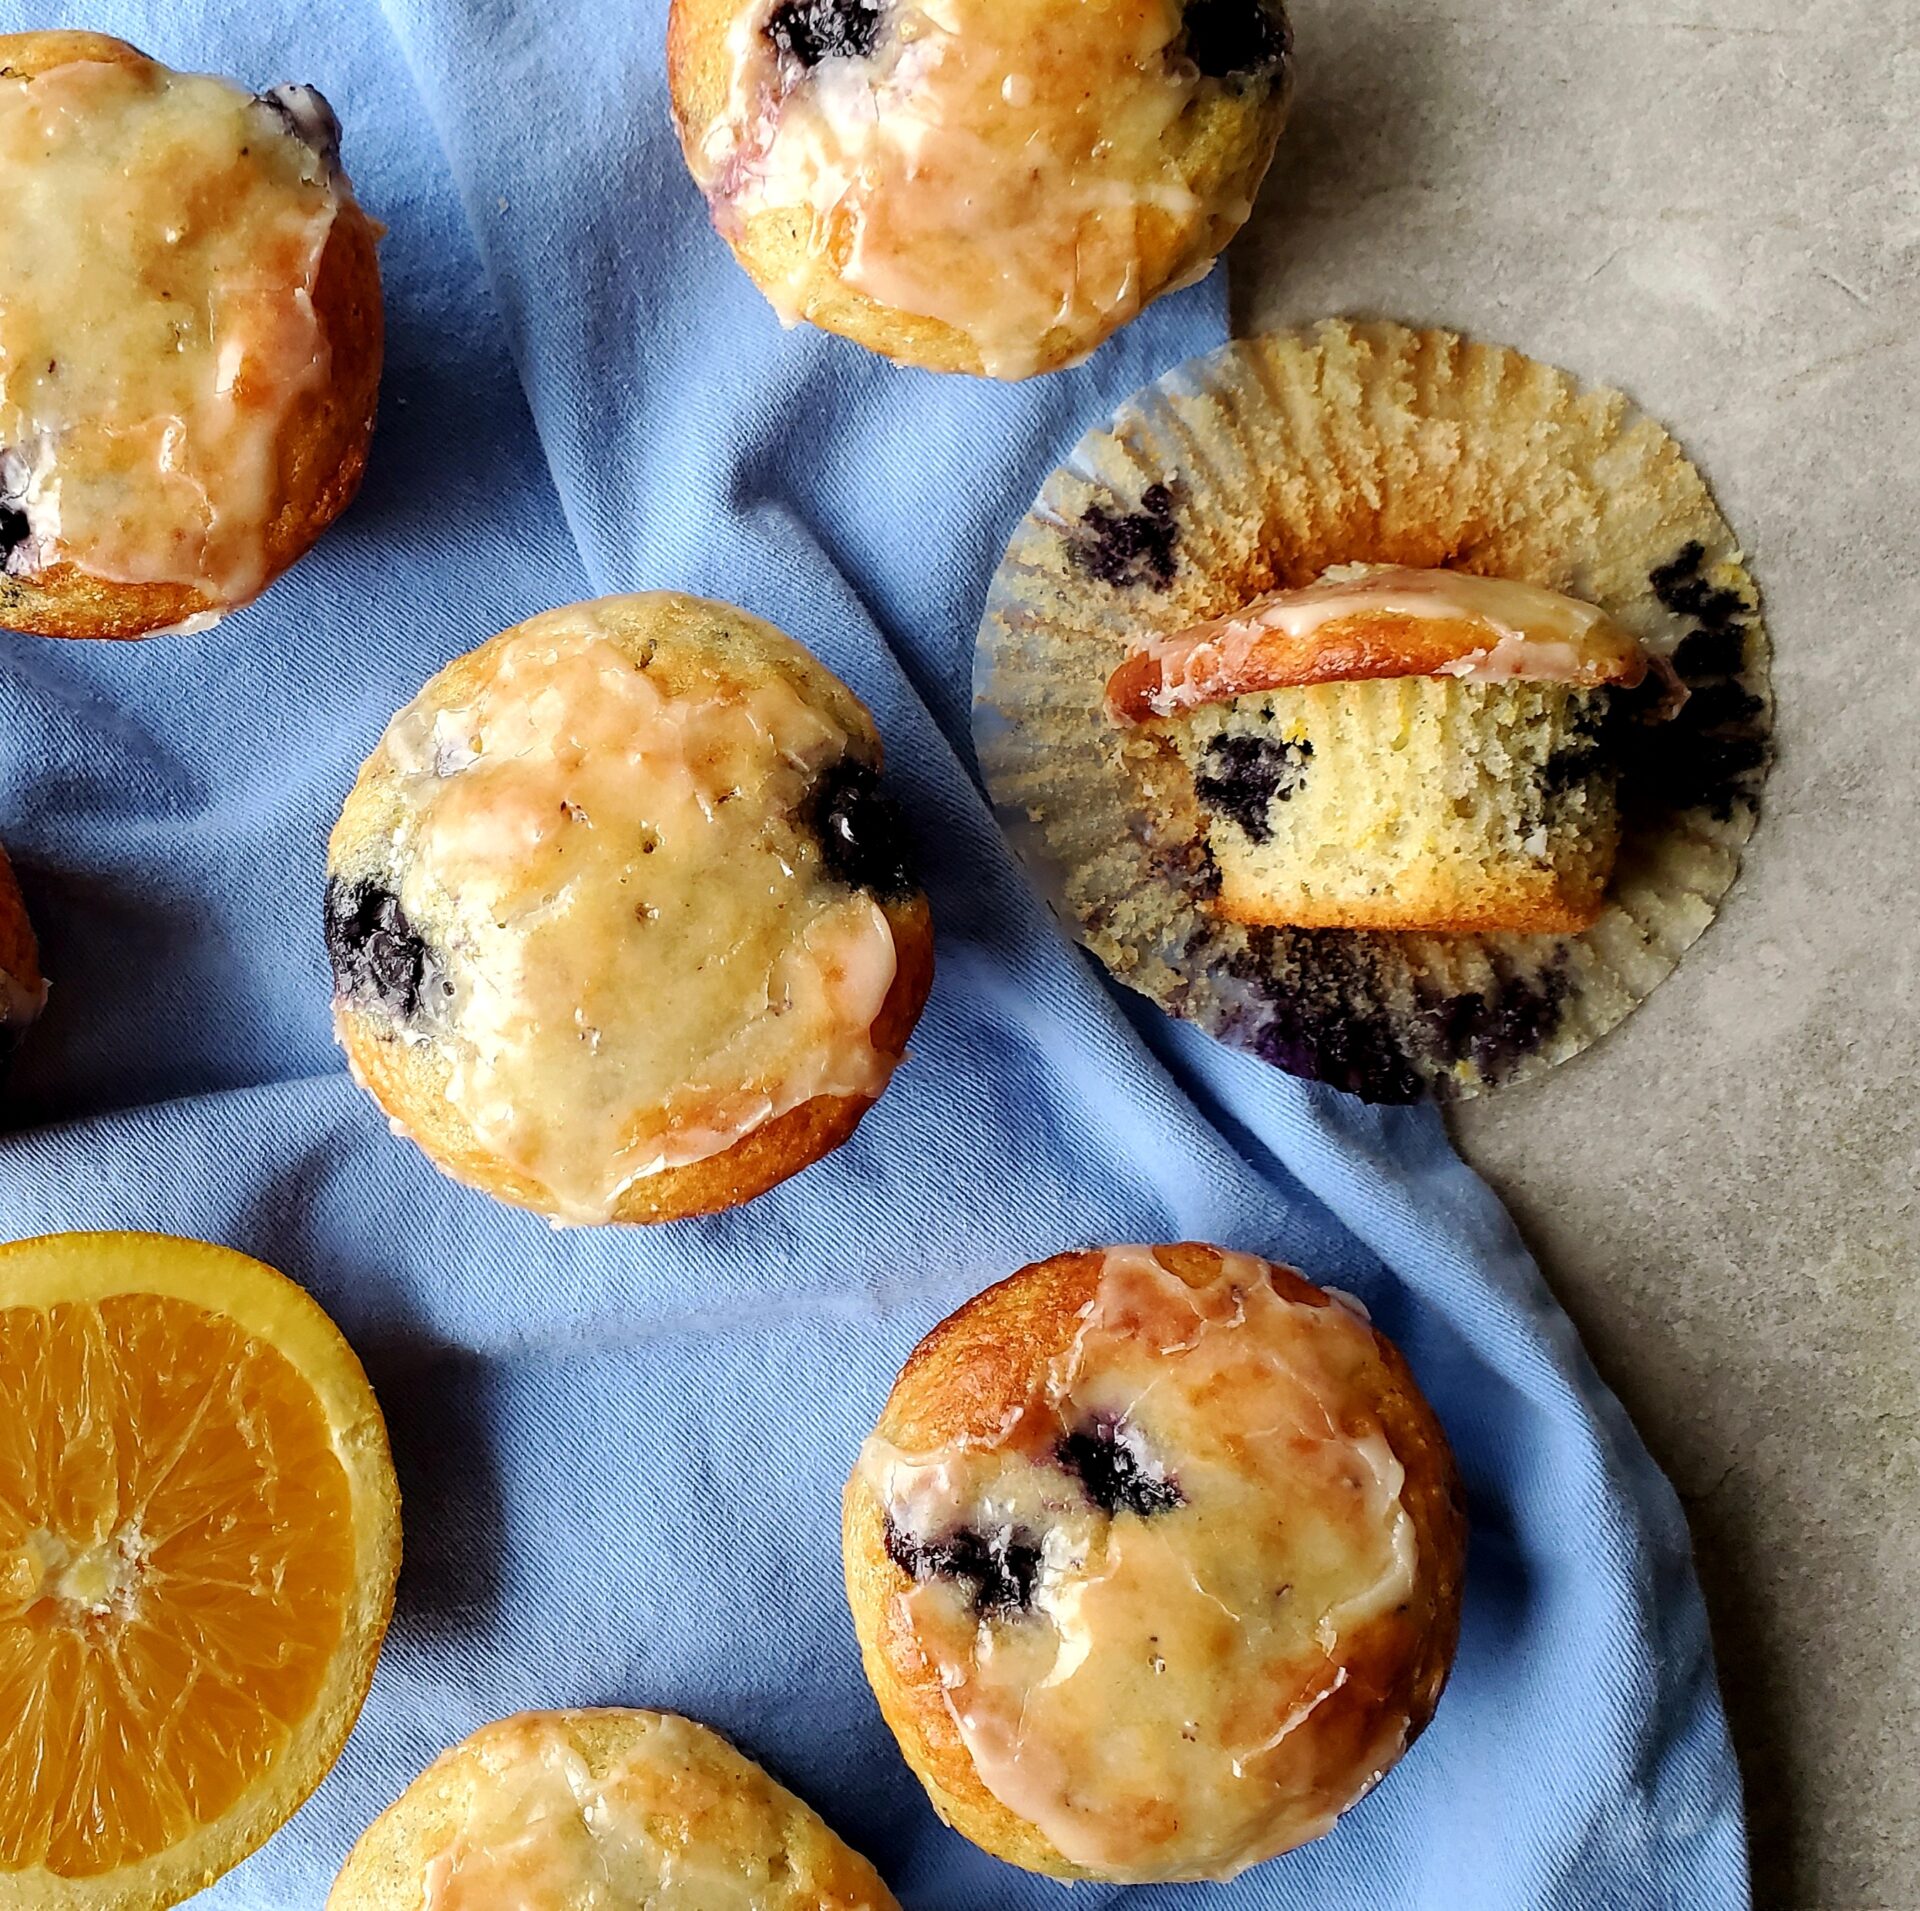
(1364, 443)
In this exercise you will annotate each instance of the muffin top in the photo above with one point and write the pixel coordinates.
(551, 1811)
(622, 871)
(1360, 621)
(984, 163)
(1140, 1580)
(160, 242)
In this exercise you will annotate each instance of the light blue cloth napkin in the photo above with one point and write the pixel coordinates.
(622, 1451)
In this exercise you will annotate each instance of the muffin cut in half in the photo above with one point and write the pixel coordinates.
(1179, 565)
(1391, 748)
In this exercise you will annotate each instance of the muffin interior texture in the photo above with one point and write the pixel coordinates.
(1408, 802)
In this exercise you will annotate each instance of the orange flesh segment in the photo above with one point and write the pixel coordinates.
(176, 1565)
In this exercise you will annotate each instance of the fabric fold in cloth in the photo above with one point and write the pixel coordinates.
(622, 1450)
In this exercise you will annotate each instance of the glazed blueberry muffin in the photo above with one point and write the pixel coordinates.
(622, 925)
(977, 185)
(23, 989)
(1155, 1560)
(605, 1808)
(190, 338)
(1391, 748)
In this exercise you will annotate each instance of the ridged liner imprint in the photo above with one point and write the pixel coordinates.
(1349, 443)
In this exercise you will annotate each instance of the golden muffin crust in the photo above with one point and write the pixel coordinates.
(314, 431)
(985, 186)
(1023, 1464)
(651, 1807)
(622, 928)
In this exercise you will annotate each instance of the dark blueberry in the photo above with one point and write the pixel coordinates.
(1712, 653)
(1322, 1019)
(998, 1572)
(1680, 587)
(305, 113)
(1681, 765)
(378, 960)
(862, 833)
(1573, 764)
(1236, 39)
(1719, 706)
(1495, 1034)
(1129, 547)
(1682, 566)
(14, 530)
(1109, 1459)
(815, 30)
(1244, 774)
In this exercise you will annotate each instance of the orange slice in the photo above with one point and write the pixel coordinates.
(199, 1534)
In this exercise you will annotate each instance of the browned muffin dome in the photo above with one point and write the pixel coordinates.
(977, 185)
(1155, 1558)
(622, 926)
(190, 338)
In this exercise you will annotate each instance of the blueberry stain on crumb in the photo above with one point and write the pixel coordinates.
(1705, 755)
(814, 30)
(1680, 587)
(1236, 39)
(1712, 653)
(1324, 1020)
(1244, 775)
(1111, 1463)
(862, 832)
(997, 1571)
(378, 959)
(1123, 548)
(1321, 1019)
(1495, 1031)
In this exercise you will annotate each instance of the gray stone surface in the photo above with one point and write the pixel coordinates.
(1715, 206)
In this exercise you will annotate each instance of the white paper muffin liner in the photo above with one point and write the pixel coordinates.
(1259, 466)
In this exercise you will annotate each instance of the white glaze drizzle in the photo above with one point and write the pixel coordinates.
(642, 955)
(989, 166)
(1524, 632)
(160, 239)
(1147, 1714)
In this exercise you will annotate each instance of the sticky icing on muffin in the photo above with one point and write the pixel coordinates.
(559, 1811)
(1155, 1561)
(190, 337)
(622, 925)
(1392, 748)
(977, 185)
(23, 989)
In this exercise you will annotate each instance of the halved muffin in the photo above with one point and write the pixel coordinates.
(1391, 748)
